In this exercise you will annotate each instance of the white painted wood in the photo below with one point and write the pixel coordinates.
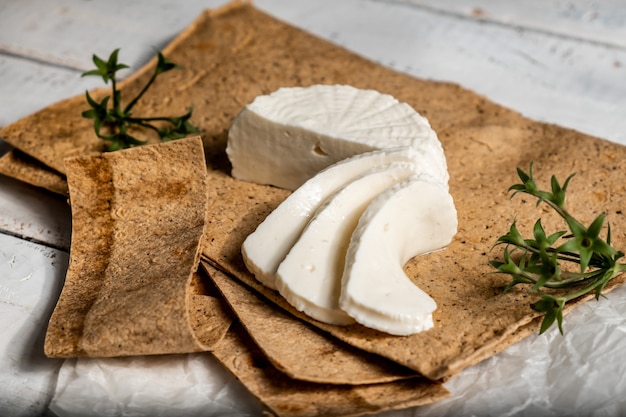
(590, 20)
(88, 27)
(34, 214)
(545, 77)
(31, 280)
(27, 86)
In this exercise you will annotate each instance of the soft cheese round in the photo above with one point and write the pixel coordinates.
(288, 136)
(346, 153)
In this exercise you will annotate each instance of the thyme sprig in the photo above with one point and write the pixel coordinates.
(541, 261)
(116, 120)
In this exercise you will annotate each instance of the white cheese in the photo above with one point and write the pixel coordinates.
(267, 246)
(338, 149)
(309, 277)
(409, 219)
(287, 137)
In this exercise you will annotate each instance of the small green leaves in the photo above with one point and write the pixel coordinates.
(181, 127)
(163, 64)
(539, 261)
(98, 112)
(553, 309)
(106, 69)
(116, 122)
(588, 243)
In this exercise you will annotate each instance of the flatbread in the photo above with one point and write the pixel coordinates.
(209, 316)
(287, 397)
(234, 54)
(298, 349)
(20, 166)
(138, 216)
(474, 319)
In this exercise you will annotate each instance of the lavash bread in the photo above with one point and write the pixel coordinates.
(138, 217)
(231, 55)
(286, 397)
(299, 350)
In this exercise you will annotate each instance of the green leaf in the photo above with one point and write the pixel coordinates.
(112, 64)
(541, 260)
(596, 226)
(118, 119)
(95, 72)
(98, 113)
(553, 311)
(513, 237)
(105, 69)
(552, 239)
(548, 320)
(539, 233)
(163, 64)
(558, 193)
(524, 176)
(566, 184)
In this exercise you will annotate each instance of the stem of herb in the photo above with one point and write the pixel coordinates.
(119, 121)
(538, 263)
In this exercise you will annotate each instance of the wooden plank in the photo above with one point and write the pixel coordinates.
(589, 20)
(27, 86)
(140, 28)
(34, 215)
(546, 77)
(32, 276)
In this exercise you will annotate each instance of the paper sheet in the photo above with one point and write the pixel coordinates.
(544, 375)
(190, 385)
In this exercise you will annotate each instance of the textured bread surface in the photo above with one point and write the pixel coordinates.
(230, 56)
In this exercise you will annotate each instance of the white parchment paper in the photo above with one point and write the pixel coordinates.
(580, 373)
(174, 385)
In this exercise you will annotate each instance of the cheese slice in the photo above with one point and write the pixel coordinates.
(309, 277)
(287, 137)
(411, 218)
(267, 246)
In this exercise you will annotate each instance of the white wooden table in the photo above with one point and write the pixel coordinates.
(558, 61)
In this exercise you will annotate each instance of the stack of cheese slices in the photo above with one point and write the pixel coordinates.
(370, 191)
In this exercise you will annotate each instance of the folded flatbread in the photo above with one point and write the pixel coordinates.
(298, 349)
(16, 164)
(287, 397)
(138, 217)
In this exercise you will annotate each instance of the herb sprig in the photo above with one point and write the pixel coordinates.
(541, 261)
(117, 120)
